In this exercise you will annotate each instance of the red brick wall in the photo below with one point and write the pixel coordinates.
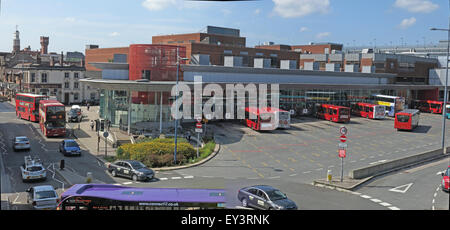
(317, 49)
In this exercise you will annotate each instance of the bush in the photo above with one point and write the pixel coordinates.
(157, 152)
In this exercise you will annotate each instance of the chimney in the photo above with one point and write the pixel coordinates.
(38, 59)
(61, 59)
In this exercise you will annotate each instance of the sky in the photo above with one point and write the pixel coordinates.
(71, 25)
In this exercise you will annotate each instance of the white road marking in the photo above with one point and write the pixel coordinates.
(385, 204)
(164, 178)
(398, 189)
(189, 177)
(127, 183)
(393, 208)
(376, 200)
(176, 178)
(366, 197)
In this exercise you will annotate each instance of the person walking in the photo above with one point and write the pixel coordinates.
(88, 106)
(92, 125)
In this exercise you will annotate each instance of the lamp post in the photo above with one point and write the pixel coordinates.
(176, 101)
(445, 86)
(445, 89)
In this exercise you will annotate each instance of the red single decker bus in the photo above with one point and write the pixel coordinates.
(267, 118)
(368, 110)
(407, 119)
(27, 106)
(52, 118)
(334, 113)
(431, 106)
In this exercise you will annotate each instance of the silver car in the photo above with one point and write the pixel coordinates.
(20, 143)
(43, 197)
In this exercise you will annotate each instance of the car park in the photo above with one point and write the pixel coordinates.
(42, 197)
(69, 147)
(446, 180)
(265, 197)
(132, 169)
(32, 169)
(20, 143)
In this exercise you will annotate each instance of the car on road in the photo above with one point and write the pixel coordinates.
(74, 116)
(20, 143)
(446, 180)
(69, 147)
(132, 169)
(32, 169)
(42, 197)
(265, 197)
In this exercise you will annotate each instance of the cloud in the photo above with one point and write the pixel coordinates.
(155, 5)
(257, 11)
(323, 35)
(114, 34)
(407, 22)
(300, 8)
(416, 6)
(303, 29)
(226, 12)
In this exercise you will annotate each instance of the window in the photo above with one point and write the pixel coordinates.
(146, 74)
(75, 96)
(228, 52)
(75, 75)
(66, 75)
(33, 77)
(75, 85)
(66, 85)
(44, 77)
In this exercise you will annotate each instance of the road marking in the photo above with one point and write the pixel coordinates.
(164, 178)
(385, 204)
(398, 189)
(366, 197)
(393, 208)
(189, 177)
(176, 178)
(376, 200)
(127, 183)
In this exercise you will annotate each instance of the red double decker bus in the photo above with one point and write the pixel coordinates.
(267, 118)
(368, 110)
(431, 106)
(334, 113)
(27, 106)
(52, 118)
(407, 119)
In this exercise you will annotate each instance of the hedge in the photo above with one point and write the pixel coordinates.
(157, 152)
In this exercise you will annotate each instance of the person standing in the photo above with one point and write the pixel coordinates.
(92, 125)
(88, 106)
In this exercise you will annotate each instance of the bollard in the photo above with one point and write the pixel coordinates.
(329, 176)
(61, 164)
(89, 177)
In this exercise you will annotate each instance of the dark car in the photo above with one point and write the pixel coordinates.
(74, 114)
(134, 170)
(69, 147)
(265, 197)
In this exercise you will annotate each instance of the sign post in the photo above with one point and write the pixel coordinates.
(105, 135)
(342, 148)
(198, 130)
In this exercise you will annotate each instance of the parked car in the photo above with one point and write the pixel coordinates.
(20, 143)
(132, 169)
(69, 147)
(74, 116)
(42, 197)
(265, 197)
(446, 180)
(32, 169)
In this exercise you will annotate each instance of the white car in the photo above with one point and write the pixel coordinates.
(20, 143)
(43, 197)
(32, 169)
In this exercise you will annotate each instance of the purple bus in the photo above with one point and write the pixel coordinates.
(115, 197)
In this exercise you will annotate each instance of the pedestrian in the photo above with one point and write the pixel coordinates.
(88, 106)
(92, 125)
(188, 135)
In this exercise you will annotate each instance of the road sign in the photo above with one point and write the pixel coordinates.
(343, 130)
(342, 145)
(343, 138)
(105, 134)
(198, 127)
(342, 153)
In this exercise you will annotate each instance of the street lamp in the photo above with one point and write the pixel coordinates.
(445, 86)
(176, 101)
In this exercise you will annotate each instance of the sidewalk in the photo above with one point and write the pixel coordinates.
(87, 138)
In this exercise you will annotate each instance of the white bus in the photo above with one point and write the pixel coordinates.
(393, 104)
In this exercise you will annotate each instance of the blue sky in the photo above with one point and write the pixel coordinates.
(111, 23)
